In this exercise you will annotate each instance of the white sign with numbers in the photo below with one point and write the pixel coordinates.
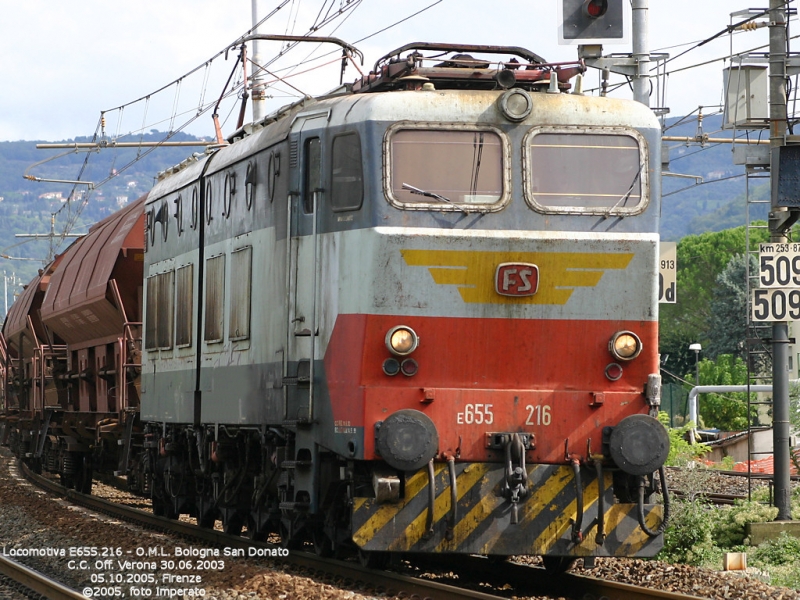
(778, 295)
(668, 272)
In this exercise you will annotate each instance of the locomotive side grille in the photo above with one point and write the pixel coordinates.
(293, 153)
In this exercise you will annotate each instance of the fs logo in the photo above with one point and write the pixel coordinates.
(516, 279)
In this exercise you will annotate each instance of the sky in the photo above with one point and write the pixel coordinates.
(62, 63)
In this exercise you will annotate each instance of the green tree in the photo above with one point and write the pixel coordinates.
(701, 260)
(727, 412)
(729, 308)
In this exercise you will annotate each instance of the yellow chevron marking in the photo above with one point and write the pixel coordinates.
(387, 512)
(542, 496)
(637, 539)
(473, 272)
(416, 529)
(563, 521)
(469, 522)
(545, 494)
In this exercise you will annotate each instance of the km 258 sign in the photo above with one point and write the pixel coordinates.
(778, 295)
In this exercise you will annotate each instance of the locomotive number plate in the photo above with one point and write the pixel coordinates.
(516, 279)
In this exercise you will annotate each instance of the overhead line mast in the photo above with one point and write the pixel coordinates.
(780, 222)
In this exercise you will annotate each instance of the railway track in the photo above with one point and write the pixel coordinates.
(496, 580)
(713, 498)
(31, 582)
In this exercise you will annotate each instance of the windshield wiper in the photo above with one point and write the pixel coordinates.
(416, 190)
(625, 196)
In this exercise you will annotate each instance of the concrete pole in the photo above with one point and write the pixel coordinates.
(780, 330)
(257, 92)
(641, 51)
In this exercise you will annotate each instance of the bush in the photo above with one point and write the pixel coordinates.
(782, 550)
(729, 522)
(680, 450)
(688, 538)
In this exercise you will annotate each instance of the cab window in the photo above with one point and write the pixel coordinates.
(586, 171)
(433, 168)
(347, 186)
(311, 173)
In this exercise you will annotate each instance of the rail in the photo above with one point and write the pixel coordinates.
(525, 579)
(35, 581)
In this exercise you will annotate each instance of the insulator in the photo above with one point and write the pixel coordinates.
(750, 26)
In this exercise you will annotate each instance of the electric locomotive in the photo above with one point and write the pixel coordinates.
(417, 314)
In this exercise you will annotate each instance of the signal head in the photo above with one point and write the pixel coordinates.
(594, 8)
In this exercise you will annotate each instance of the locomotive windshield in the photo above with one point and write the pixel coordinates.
(451, 166)
(586, 172)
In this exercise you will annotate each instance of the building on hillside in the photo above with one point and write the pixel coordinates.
(52, 196)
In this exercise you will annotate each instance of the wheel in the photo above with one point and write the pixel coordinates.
(289, 539)
(557, 565)
(206, 520)
(233, 524)
(253, 532)
(373, 560)
(158, 507)
(323, 546)
(163, 508)
(83, 480)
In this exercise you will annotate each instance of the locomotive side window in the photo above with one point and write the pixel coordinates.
(586, 172)
(209, 218)
(241, 272)
(228, 190)
(150, 335)
(158, 327)
(165, 310)
(215, 294)
(431, 168)
(179, 213)
(347, 189)
(195, 207)
(184, 292)
(250, 185)
(311, 173)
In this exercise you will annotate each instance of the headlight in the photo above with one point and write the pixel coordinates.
(516, 104)
(625, 345)
(401, 340)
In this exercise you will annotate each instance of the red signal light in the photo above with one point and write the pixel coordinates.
(595, 8)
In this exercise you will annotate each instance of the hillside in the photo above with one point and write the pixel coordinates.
(715, 205)
(27, 206)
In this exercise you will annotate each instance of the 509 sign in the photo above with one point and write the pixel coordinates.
(779, 270)
(776, 304)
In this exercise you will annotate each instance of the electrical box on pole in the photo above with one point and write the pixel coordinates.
(746, 105)
(592, 22)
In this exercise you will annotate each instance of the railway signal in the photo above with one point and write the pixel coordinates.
(591, 21)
